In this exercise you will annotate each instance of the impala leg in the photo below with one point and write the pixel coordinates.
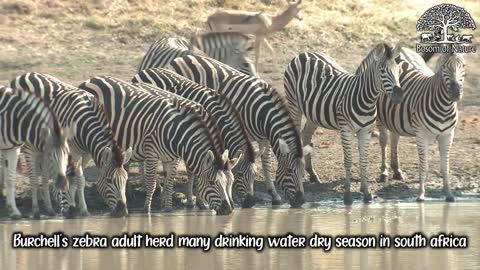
(170, 168)
(267, 173)
(422, 146)
(308, 131)
(10, 158)
(363, 144)
(383, 139)
(347, 163)
(444, 143)
(395, 162)
(258, 42)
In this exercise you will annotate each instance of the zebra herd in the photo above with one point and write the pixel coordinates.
(202, 102)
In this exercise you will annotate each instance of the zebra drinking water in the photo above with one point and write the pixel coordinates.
(227, 118)
(26, 119)
(328, 96)
(93, 137)
(265, 117)
(163, 129)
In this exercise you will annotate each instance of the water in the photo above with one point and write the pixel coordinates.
(392, 219)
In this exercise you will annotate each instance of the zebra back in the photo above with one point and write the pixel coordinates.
(163, 51)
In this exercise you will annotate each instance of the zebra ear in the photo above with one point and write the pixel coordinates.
(396, 51)
(284, 148)
(209, 159)
(106, 156)
(233, 162)
(379, 51)
(128, 155)
(307, 150)
(45, 133)
(225, 156)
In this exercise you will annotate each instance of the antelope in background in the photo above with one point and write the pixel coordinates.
(258, 24)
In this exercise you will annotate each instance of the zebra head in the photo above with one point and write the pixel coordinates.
(245, 172)
(213, 184)
(290, 171)
(113, 177)
(57, 153)
(389, 71)
(452, 66)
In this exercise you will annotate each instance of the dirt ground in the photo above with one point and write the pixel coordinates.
(76, 41)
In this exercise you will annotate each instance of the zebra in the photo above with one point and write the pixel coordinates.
(228, 120)
(428, 112)
(161, 129)
(230, 48)
(328, 96)
(26, 119)
(93, 138)
(265, 117)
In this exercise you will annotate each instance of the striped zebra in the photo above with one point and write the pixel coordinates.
(230, 48)
(93, 139)
(26, 119)
(265, 117)
(161, 129)
(329, 97)
(233, 131)
(428, 112)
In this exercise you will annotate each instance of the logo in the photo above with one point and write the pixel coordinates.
(442, 24)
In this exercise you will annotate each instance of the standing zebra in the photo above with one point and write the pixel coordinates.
(162, 129)
(332, 98)
(229, 48)
(26, 119)
(227, 118)
(428, 112)
(265, 117)
(93, 137)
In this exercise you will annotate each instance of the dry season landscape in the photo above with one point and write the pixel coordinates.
(76, 40)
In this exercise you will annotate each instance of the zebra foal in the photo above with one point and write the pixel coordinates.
(163, 129)
(328, 96)
(26, 119)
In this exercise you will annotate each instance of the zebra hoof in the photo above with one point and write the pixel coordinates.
(347, 198)
(190, 206)
(84, 213)
(71, 213)
(51, 213)
(167, 210)
(146, 210)
(36, 215)
(450, 199)
(367, 198)
(398, 176)
(420, 199)
(383, 178)
(249, 201)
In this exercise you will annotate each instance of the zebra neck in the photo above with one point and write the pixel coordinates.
(440, 91)
(94, 139)
(368, 88)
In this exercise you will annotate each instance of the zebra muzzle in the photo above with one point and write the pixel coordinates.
(120, 210)
(225, 208)
(298, 200)
(249, 201)
(455, 93)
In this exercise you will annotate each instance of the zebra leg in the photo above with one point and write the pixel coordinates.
(363, 144)
(190, 204)
(395, 163)
(44, 187)
(422, 146)
(2, 176)
(170, 168)
(34, 167)
(347, 163)
(10, 158)
(151, 183)
(308, 131)
(267, 173)
(383, 139)
(444, 143)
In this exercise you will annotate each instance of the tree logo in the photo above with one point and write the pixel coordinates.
(437, 21)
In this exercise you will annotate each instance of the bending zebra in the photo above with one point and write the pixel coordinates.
(93, 139)
(227, 118)
(26, 119)
(332, 98)
(265, 117)
(229, 48)
(163, 129)
(428, 112)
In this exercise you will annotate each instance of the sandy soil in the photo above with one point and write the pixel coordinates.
(77, 41)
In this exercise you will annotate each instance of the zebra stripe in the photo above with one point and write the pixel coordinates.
(428, 112)
(164, 129)
(264, 115)
(92, 137)
(329, 97)
(227, 118)
(26, 119)
(230, 48)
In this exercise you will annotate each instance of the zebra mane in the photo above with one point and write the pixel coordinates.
(370, 58)
(278, 99)
(188, 110)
